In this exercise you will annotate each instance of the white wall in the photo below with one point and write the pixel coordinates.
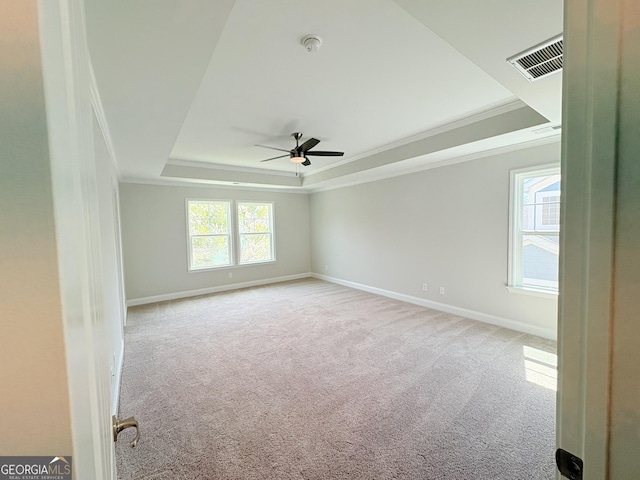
(112, 277)
(445, 226)
(154, 238)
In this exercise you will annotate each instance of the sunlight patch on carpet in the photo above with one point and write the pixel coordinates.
(541, 367)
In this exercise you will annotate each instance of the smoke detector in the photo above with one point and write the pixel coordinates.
(311, 43)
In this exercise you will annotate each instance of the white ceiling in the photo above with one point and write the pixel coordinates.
(189, 88)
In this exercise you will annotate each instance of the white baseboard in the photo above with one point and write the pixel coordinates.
(443, 307)
(115, 401)
(205, 291)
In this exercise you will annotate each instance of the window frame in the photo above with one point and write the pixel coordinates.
(240, 234)
(514, 278)
(230, 229)
(234, 233)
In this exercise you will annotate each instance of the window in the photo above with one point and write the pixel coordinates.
(213, 233)
(256, 232)
(209, 234)
(534, 228)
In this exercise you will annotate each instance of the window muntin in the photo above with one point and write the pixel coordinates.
(255, 231)
(209, 227)
(551, 210)
(535, 228)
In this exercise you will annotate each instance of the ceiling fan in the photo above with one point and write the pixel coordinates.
(300, 152)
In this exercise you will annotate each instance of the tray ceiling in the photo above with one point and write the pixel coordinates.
(189, 88)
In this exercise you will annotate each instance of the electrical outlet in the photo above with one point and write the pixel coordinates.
(326, 267)
(230, 275)
(441, 290)
(424, 287)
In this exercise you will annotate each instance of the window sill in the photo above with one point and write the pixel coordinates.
(533, 292)
(228, 267)
(249, 264)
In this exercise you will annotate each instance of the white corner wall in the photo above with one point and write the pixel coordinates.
(111, 266)
(154, 237)
(447, 227)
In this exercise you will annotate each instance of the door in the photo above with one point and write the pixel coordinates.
(77, 222)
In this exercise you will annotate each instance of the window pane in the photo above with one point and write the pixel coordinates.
(535, 225)
(541, 202)
(551, 210)
(254, 217)
(208, 218)
(255, 248)
(528, 218)
(209, 251)
(540, 261)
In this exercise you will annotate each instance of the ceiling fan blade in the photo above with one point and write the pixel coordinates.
(321, 153)
(306, 162)
(312, 142)
(272, 148)
(273, 158)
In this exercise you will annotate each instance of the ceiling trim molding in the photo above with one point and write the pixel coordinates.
(513, 120)
(478, 116)
(101, 118)
(220, 166)
(210, 184)
(230, 176)
(505, 118)
(368, 176)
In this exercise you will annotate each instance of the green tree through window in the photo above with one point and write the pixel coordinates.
(255, 229)
(214, 233)
(209, 234)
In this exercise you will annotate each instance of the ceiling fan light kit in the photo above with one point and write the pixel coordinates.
(311, 43)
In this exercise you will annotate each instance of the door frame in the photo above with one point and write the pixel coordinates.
(591, 174)
(592, 33)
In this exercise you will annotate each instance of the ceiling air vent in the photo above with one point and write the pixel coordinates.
(539, 61)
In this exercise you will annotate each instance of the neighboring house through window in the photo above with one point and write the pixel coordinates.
(534, 228)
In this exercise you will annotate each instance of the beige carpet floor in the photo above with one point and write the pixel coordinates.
(311, 380)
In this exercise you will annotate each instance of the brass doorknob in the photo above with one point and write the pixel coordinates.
(119, 425)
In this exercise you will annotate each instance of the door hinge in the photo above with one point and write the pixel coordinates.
(570, 465)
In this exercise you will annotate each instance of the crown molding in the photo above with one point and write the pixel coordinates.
(222, 166)
(210, 184)
(98, 110)
(367, 176)
(461, 121)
